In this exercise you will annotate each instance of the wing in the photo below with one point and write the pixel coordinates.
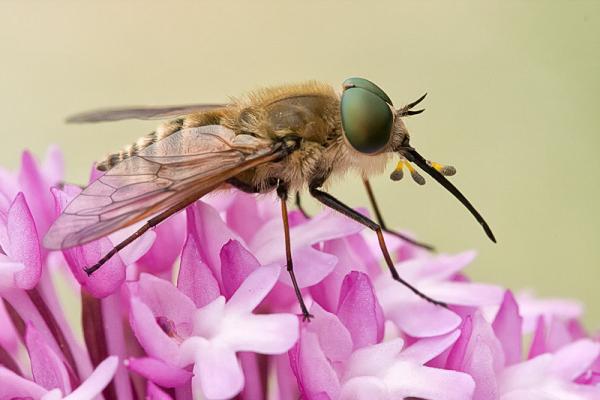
(117, 114)
(173, 172)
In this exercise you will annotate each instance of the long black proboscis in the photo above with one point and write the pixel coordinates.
(435, 174)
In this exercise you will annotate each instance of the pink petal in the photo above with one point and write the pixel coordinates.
(254, 289)
(574, 359)
(425, 350)
(364, 387)
(347, 251)
(97, 381)
(419, 318)
(37, 193)
(479, 353)
(217, 372)
(334, 339)
(158, 371)
(249, 211)
(360, 311)
(372, 360)
(310, 267)
(508, 327)
(195, 279)
(538, 343)
(170, 236)
(166, 301)
(406, 379)
(435, 268)
(112, 274)
(265, 333)
(152, 338)
(15, 387)
(153, 392)
(465, 293)
(24, 246)
(211, 234)
(138, 248)
(47, 366)
(315, 375)
(268, 241)
(236, 264)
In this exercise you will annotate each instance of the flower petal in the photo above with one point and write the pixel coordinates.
(334, 338)
(140, 246)
(112, 274)
(217, 372)
(195, 279)
(152, 338)
(419, 318)
(170, 236)
(97, 381)
(314, 373)
(364, 388)
(24, 245)
(425, 350)
(237, 264)
(166, 375)
(406, 379)
(254, 289)
(265, 334)
(153, 392)
(211, 234)
(574, 359)
(14, 386)
(37, 193)
(165, 300)
(47, 366)
(360, 311)
(372, 360)
(465, 293)
(247, 211)
(508, 328)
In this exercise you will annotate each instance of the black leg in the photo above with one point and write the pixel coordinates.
(299, 206)
(148, 225)
(337, 205)
(282, 193)
(382, 224)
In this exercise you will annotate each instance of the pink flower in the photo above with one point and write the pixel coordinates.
(173, 329)
(51, 378)
(227, 328)
(343, 357)
(491, 354)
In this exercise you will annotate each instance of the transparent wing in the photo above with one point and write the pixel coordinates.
(172, 172)
(119, 113)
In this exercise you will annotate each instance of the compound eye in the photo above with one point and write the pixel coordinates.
(367, 120)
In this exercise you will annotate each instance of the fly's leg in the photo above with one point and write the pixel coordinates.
(148, 225)
(299, 206)
(383, 225)
(283, 195)
(337, 205)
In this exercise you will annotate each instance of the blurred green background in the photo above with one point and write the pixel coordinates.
(513, 94)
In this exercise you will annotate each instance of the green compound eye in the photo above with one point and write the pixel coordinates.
(367, 119)
(367, 85)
